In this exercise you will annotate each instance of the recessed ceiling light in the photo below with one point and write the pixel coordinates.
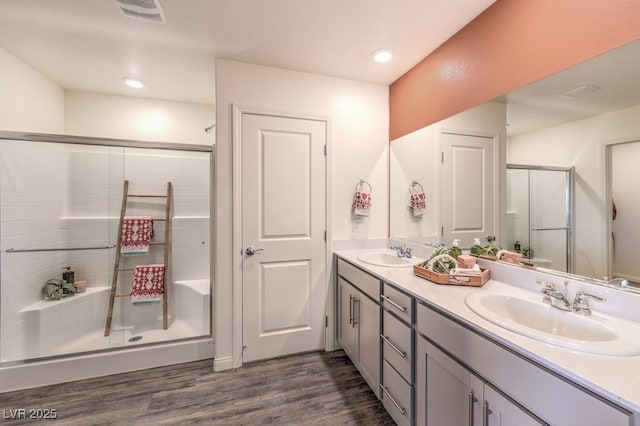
(132, 82)
(382, 55)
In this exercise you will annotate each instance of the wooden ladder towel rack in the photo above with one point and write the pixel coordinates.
(167, 247)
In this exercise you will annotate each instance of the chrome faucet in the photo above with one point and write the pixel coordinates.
(558, 299)
(402, 251)
(581, 304)
(619, 282)
(555, 297)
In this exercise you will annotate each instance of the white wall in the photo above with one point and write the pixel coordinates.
(416, 156)
(625, 176)
(358, 143)
(581, 144)
(28, 101)
(124, 117)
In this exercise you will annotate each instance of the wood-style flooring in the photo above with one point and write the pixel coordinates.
(318, 388)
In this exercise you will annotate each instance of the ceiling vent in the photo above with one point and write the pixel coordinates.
(579, 92)
(146, 10)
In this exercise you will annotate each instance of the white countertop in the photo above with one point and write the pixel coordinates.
(616, 378)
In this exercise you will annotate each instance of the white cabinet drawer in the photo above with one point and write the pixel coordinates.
(553, 399)
(368, 284)
(396, 395)
(397, 302)
(396, 345)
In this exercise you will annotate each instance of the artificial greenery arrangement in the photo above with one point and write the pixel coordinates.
(486, 250)
(527, 253)
(55, 289)
(443, 260)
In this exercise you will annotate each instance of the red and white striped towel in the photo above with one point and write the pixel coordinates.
(148, 284)
(137, 232)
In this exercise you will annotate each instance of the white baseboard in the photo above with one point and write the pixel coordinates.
(101, 364)
(221, 364)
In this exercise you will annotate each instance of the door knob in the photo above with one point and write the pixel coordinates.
(250, 251)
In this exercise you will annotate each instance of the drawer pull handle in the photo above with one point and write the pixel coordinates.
(485, 414)
(394, 347)
(350, 309)
(472, 400)
(398, 406)
(356, 312)
(394, 304)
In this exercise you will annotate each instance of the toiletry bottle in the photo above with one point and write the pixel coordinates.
(68, 274)
(455, 250)
(476, 248)
(516, 246)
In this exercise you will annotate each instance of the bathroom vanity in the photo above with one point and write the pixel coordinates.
(437, 362)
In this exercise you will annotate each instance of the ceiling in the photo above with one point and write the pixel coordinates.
(539, 105)
(88, 45)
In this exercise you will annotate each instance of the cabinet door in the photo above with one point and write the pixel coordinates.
(446, 392)
(500, 411)
(368, 326)
(346, 326)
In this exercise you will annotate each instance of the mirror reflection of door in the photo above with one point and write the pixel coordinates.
(625, 231)
(467, 188)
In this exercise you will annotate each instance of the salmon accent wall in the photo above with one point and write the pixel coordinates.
(511, 44)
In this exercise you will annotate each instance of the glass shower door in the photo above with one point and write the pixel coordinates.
(60, 207)
(539, 215)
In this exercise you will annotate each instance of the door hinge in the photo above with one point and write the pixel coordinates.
(325, 150)
(442, 231)
(325, 235)
(442, 157)
(326, 321)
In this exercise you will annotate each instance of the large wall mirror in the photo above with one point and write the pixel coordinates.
(581, 123)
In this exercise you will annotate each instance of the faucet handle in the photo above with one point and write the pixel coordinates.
(549, 287)
(581, 302)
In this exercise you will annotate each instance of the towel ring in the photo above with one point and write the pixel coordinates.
(362, 183)
(413, 186)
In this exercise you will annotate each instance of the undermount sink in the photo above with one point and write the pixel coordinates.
(526, 315)
(388, 258)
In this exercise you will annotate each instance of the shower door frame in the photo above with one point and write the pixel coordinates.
(569, 200)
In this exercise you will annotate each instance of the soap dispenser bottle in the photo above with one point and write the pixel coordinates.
(455, 250)
(476, 248)
(68, 274)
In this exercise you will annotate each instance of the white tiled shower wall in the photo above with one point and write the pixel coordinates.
(56, 195)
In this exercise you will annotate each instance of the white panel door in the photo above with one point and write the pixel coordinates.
(467, 187)
(283, 219)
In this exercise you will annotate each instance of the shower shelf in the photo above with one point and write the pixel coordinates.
(46, 304)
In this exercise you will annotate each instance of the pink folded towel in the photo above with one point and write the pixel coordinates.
(137, 232)
(418, 203)
(361, 203)
(148, 284)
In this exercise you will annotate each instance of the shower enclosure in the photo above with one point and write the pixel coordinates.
(60, 207)
(539, 214)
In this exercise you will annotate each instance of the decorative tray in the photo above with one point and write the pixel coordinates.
(472, 280)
